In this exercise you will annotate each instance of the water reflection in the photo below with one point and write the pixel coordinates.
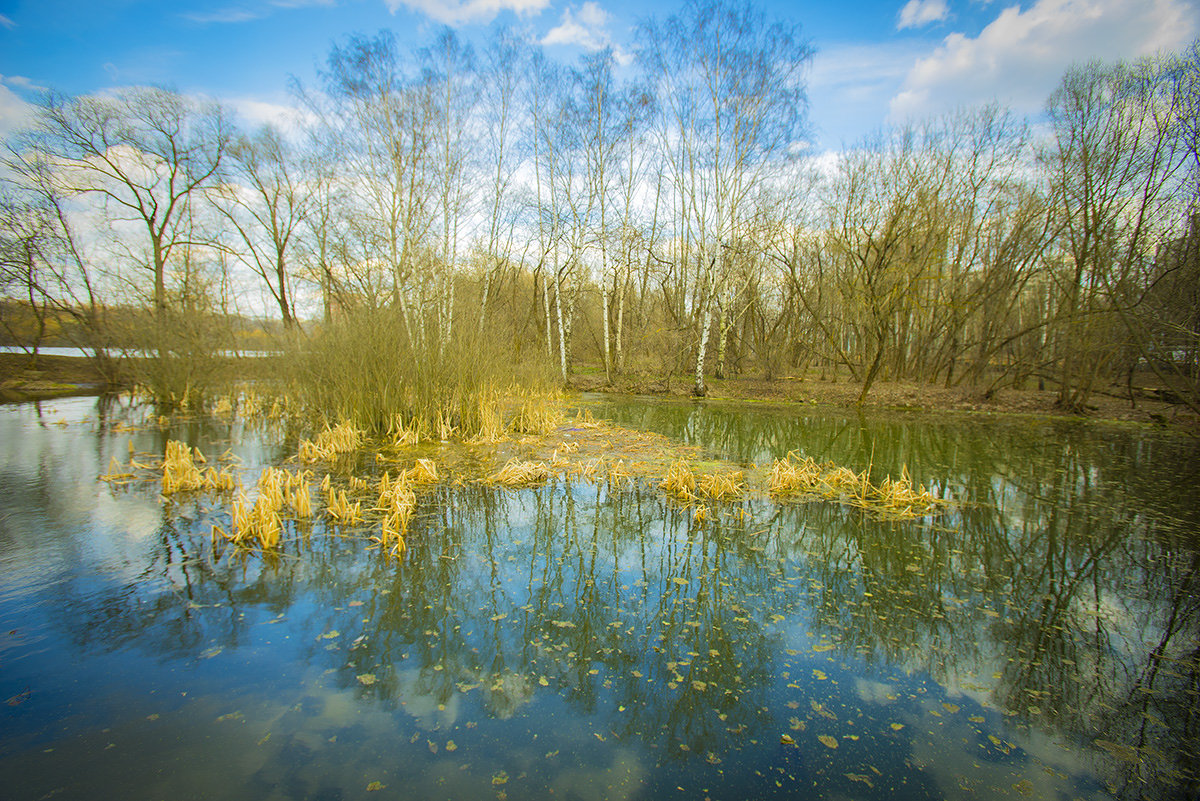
(1040, 638)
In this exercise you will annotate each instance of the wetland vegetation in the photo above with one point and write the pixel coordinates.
(390, 554)
(581, 626)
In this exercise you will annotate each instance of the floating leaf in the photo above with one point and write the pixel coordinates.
(366, 679)
(819, 675)
(542, 681)
(375, 787)
(827, 741)
(787, 739)
(500, 778)
(951, 708)
(897, 726)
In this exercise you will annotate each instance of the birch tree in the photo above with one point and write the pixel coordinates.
(732, 88)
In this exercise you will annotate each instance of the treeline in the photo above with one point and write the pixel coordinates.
(654, 217)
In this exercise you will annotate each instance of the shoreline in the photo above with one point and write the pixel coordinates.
(61, 376)
(899, 396)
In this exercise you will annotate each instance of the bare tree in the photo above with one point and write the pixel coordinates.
(148, 153)
(264, 203)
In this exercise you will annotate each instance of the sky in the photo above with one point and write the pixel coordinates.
(877, 62)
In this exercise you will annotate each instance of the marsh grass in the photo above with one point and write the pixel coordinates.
(369, 370)
(793, 477)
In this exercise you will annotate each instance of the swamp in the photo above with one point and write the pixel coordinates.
(620, 600)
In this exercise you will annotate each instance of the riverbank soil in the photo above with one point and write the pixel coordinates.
(1111, 404)
(49, 377)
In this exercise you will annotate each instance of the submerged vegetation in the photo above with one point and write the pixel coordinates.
(367, 491)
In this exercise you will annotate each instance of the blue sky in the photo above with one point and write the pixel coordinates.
(878, 61)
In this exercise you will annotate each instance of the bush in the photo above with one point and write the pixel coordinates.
(365, 368)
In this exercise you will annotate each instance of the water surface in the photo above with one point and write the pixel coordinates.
(1038, 638)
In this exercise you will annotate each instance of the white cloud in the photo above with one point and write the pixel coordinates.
(459, 12)
(256, 113)
(21, 82)
(586, 27)
(1019, 58)
(918, 13)
(15, 113)
(6, 22)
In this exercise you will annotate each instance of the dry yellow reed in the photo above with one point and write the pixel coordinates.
(180, 474)
(340, 509)
(722, 486)
(423, 472)
(520, 474)
(680, 481)
(342, 438)
(537, 413)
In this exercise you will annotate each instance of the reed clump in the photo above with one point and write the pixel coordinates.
(521, 474)
(397, 501)
(342, 438)
(537, 413)
(179, 472)
(375, 364)
(339, 508)
(680, 481)
(793, 476)
(723, 486)
(259, 524)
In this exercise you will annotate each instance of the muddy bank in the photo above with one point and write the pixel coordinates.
(48, 377)
(1109, 405)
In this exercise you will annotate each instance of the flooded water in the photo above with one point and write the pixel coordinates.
(1037, 638)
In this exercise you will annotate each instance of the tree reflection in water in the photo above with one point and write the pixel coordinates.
(598, 632)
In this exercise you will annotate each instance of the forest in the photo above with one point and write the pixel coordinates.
(430, 223)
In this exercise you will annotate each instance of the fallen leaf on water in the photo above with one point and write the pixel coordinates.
(542, 681)
(375, 786)
(500, 778)
(366, 679)
(827, 741)
(787, 739)
(451, 745)
(897, 726)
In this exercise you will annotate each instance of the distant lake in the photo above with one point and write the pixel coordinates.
(1038, 638)
(82, 353)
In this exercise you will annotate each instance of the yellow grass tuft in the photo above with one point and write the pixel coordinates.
(180, 474)
(342, 438)
(722, 486)
(520, 474)
(259, 525)
(340, 509)
(423, 472)
(680, 481)
(397, 501)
